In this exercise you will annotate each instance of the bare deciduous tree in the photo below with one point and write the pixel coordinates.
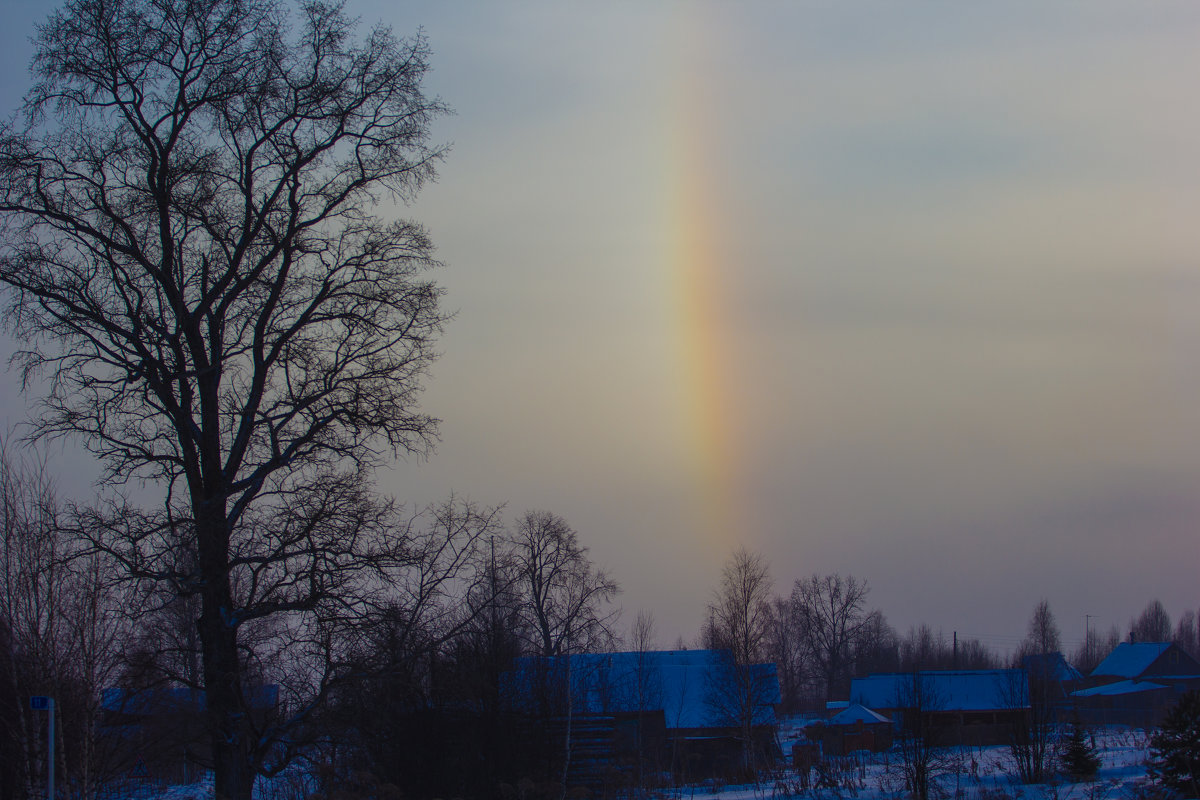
(740, 621)
(1043, 635)
(1095, 648)
(878, 646)
(740, 611)
(785, 647)
(1152, 625)
(831, 612)
(564, 600)
(646, 685)
(433, 597)
(923, 756)
(563, 596)
(191, 256)
(1186, 634)
(1029, 695)
(642, 635)
(65, 627)
(925, 648)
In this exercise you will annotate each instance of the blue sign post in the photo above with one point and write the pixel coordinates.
(43, 703)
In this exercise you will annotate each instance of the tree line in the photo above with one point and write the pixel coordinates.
(403, 684)
(378, 685)
(823, 632)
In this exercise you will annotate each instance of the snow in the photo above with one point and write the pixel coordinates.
(858, 713)
(945, 690)
(291, 784)
(1130, 659)
(680, 682)
(145, 702)
(1051, 665)
(970, 773)
(1120, 687)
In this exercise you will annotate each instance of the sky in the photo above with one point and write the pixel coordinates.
(904, 291)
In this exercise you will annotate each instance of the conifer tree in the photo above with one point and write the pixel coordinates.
(1080, 758)
(1175, 747)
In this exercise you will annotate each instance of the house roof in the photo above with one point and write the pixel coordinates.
(1052, 666)
(945, 690)
(1118, 688)
(1130, 659)
(691, 687)
(176, 700)
(856, 713)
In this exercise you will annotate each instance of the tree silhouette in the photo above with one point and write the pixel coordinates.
(191, 257)
(1175, 747)
(1079, 754)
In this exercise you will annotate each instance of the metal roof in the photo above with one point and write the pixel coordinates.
(693, 688)
(945, 690)
(858, 713)
(1130, 659)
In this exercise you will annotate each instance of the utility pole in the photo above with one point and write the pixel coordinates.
(1087, 638)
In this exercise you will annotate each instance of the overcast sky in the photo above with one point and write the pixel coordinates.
(908, 291)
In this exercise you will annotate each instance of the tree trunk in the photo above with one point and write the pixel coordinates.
(224, 706)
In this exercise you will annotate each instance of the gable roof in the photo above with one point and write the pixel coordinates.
(686, 685)
(177, 700)
(1130, 659)
(856, 713)
(1052, 666)
(946, 690)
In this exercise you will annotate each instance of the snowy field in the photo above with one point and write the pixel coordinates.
(969, 773)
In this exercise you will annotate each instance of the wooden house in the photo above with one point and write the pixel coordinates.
(854, 728)
(160, 735)
(1162, 662)
(682, 712)
(1136, 684)
(963, 707)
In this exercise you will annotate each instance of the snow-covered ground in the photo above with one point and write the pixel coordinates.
(291, 785)
(968, 773)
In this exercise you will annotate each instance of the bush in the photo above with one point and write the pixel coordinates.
(1175, 747)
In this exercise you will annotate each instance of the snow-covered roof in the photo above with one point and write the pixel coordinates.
(1130, 659)
(856, 713)
(1052, 666)
(945, 690)
(1120, 687)
(175, 700)
(693, 688)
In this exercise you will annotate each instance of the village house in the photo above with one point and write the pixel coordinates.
(1136, 684)
(853, 728)
(964, 707)
(159, 735)
(1052, 680)
(683, 712)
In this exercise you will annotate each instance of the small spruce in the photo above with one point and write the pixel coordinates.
(1175, 747)
(1080, 756)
